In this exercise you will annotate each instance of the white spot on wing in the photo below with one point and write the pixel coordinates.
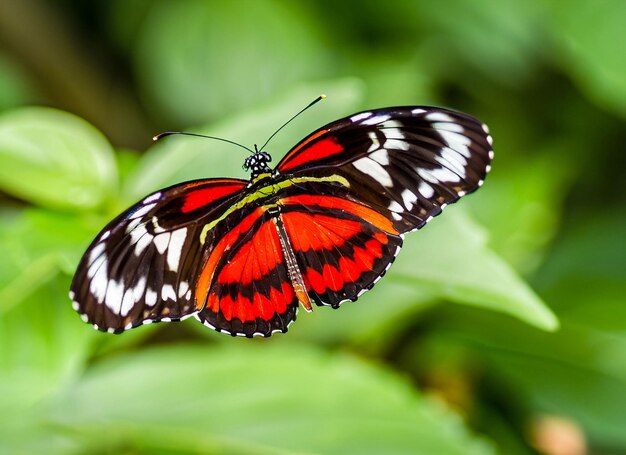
(418, 111)
(175, 248)
(456, 141)
(167, 292)
(127, 302)
(99, 279)
(142, 244)
(142, 211)
(96, 266)
(132, 225)
(395, 207)
(376, 119)
(151, 297)
(426, 190)
(183, 287)
(96, 252)
(375, 142)
(374, 170)
(438, 175)
(105, 235)
(397, 144)
(393, 133)
(381, 157)
(138, 289)
(409, 198)
(439, 117)
(161, 241)
(152, 197)
(114, 295)
(449, 158)
(361, 116)
(453, 127)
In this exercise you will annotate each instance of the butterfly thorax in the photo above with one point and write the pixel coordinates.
(257, 164)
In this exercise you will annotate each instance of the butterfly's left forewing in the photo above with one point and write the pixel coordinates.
(407, 163)
(143, 266)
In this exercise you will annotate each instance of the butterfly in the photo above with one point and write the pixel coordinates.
(322, 227)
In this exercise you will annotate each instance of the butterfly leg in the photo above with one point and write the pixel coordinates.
(292, 266)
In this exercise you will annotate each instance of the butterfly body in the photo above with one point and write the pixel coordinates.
(320, 228)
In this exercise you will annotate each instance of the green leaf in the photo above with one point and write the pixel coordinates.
(497, 39)
(35, 245)
(585, 276)
(43, 340)
(520, 206)
(590, 37)
(176, 159)
(13, 88)
(576, 372)
(373, 322)
(254, 398)
(199, 60)
(54, 159)
(450, 259)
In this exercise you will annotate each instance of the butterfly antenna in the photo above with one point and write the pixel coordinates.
(170, 133)
(315, 101)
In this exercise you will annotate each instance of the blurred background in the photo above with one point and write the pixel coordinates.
(501, 328)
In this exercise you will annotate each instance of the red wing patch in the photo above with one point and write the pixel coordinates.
(250, 292)
(340, 248)
(209, 193)
(326, 232)
(317, 150)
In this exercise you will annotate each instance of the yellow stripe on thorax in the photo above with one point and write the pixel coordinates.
(267, 191)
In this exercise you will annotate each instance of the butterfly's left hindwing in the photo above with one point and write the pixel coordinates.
(143, 266)
(342, 247)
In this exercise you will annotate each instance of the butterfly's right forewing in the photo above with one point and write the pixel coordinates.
(143, 266)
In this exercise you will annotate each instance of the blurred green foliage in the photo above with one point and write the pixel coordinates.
(509, 308)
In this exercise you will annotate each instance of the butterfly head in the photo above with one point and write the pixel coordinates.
(257, 163)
